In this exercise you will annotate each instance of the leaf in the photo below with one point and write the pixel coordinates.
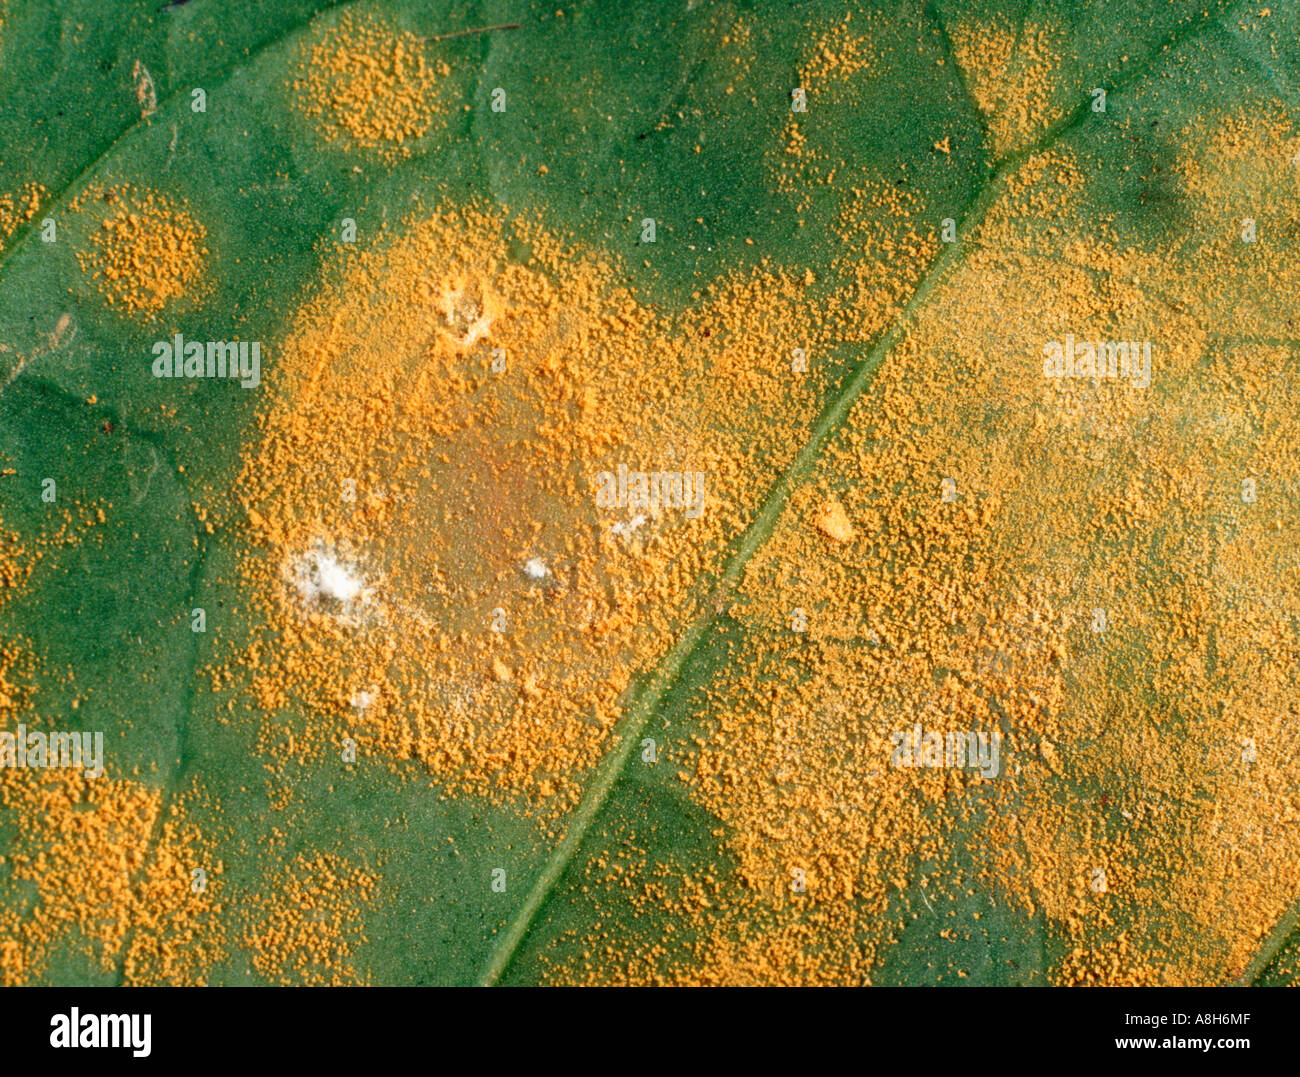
(605, 743)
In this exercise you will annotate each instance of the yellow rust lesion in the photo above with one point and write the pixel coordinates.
(144, 251)
(369, 85)
(509, 606)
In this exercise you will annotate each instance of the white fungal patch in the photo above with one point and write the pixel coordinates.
(363, 699)
(535, 569)
(327, 580)
(327, 577)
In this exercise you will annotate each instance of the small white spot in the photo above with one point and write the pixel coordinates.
(326, 579)
(629, 527)
(535, 569)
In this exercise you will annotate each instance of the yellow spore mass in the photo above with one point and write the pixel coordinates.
(305, 929)
(370, 85)
(145, 250)
(1011, 73)
(18, 209)
(98, 885)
